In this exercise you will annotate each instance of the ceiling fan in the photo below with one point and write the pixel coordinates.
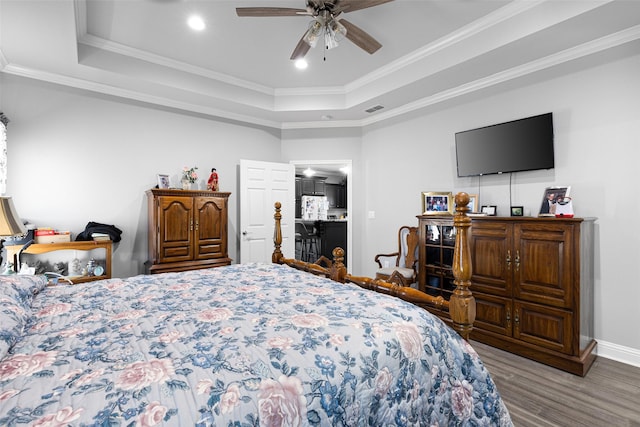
(327, 21)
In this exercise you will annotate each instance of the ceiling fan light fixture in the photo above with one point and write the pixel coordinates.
(329, 41)
(337, 30)
(313, 34)
(301, 64)
(308, 172)
(334, 33)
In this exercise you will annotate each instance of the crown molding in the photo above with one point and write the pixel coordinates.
(102, 88)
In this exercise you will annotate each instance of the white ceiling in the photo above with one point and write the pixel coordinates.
(239, 69)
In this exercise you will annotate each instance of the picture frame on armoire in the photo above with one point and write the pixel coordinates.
(490, 210)
(551, 197)
(437, 203)
(163, 181)
(473, 203)
(517, 210)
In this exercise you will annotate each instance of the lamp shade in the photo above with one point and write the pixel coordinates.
(10, 223)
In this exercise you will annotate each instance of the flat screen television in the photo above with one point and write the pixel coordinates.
(519, 145)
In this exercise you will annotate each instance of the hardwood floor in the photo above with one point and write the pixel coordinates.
(542, 396)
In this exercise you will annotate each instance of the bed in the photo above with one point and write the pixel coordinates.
(241, 345)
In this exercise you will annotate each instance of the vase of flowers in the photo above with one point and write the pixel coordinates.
(189, 176)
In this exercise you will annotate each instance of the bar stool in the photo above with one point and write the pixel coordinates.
(310, 242)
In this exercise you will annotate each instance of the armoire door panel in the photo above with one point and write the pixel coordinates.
(211, 226)
(543, 326)
(544, 270)
(493, 314)
(491, 258)
(175, 234)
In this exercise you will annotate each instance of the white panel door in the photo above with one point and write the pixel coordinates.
(261, 185)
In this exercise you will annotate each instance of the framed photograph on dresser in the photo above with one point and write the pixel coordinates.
(437, 203)
(489, 210)
(163, 181)
(551, 196)
(473, 203)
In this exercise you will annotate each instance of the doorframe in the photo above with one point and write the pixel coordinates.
(338, 164)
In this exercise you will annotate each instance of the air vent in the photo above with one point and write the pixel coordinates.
(374, 108)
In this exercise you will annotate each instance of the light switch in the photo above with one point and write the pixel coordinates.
(372, 215)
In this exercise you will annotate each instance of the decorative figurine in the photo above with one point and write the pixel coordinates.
(8, 269)
(212, 183)
(75, 267)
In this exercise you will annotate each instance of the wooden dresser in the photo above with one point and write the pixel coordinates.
(532, 279)
(187, 230)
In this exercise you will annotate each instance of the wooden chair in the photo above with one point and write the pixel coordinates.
(400, 267)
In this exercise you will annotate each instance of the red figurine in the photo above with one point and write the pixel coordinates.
(212, 183)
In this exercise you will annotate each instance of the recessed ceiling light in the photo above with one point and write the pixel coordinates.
(301, 64)
(196, 23)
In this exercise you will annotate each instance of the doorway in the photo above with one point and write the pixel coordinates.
(334, 168)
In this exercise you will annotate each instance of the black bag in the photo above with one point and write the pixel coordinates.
(96, 227)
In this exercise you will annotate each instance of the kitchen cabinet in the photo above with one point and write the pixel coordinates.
(312, 186)
(533, 282)
(187, 230)
(336, 196)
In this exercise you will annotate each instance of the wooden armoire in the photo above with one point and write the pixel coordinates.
(532, 279)
(187, 230)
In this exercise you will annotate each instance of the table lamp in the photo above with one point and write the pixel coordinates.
(10, 223)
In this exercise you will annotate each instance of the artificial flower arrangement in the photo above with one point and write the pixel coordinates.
(189, 174)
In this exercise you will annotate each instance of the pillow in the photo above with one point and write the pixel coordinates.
(16, 294)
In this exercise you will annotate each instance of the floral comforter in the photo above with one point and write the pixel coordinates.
(243, 345)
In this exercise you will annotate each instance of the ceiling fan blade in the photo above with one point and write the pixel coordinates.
(353, 5)
(301, 49)
(270, 11)
(360, 38)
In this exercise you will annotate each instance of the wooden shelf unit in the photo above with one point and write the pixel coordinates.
(42, 248)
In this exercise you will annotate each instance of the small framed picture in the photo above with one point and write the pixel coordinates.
(163, 181)
(473, 203)
(517, 210)
(489, 210)
(437, 203)
(551, 196)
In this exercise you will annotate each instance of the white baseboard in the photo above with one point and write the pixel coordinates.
(628, 355)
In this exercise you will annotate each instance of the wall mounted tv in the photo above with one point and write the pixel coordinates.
(519, 145)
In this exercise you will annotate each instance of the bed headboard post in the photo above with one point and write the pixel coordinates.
(277, 236)
(462, 305)
(337, 270)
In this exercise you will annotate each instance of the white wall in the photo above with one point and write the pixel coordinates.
(77, 157)
(597, 123)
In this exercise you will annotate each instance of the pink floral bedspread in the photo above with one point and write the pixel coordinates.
(243, 345)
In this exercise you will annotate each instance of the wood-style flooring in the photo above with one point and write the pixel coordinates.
(541, 396)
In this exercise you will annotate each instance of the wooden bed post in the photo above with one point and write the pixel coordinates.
(277, 236)
(462, 304)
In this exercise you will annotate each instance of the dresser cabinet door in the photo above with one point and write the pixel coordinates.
(543, 264)
(175, 234)
(543, 326)
(491, 258)
(494, 314)
(210, 227)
